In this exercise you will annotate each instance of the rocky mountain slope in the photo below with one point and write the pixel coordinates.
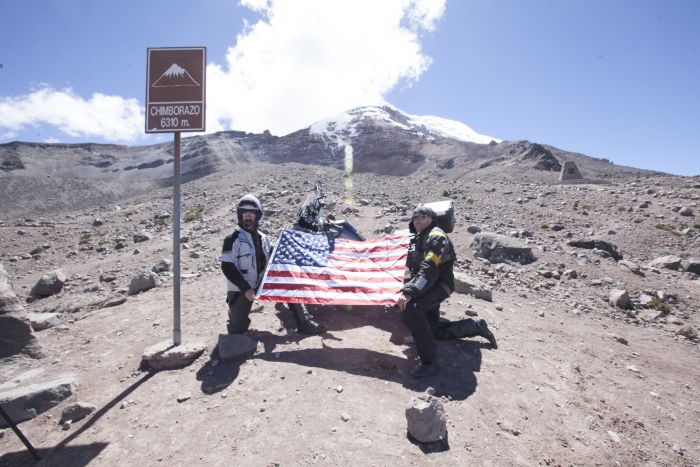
(383, 140)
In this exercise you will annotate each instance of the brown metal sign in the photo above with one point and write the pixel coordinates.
(175, 91)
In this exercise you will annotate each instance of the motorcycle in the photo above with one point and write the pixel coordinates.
(310, 219)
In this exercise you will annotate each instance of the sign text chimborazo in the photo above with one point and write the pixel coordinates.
(175, 89)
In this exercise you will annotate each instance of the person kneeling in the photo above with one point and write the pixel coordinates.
(430, 263)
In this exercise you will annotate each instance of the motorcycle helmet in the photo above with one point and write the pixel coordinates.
(422, 210)
(249, 203)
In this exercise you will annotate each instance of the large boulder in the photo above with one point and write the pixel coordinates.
(49, 284)
(166, 356)
(599, 244)
(17, 337)
(500, 248)
(236, 345)
(9, 303)
(25, 403)
(691, 265)
(472, 286)
(16, 334)
(41, 321)
(142, 281)
(671, 262)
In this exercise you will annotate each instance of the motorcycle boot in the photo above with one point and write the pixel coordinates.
(486, 333)
(423, 370)
(304, 320)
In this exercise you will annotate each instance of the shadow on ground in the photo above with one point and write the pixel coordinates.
(72, 456)
(75, 455)
(459, 359)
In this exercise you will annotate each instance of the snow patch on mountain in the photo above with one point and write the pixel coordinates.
(342, 128)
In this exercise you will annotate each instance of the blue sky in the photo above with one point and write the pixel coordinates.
(618, 79)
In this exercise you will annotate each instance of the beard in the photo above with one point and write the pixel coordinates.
(248, 224)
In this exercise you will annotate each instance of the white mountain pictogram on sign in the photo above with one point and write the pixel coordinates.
(175, 76)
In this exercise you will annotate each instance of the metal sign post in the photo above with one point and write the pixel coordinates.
(177, 334)
(175, 102)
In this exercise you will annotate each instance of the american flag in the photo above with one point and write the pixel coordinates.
(321, 270)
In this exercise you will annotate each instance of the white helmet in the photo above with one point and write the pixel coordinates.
(249, 203)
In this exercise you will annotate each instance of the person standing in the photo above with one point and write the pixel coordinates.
(430, 263)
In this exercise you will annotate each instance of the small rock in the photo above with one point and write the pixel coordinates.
(426, 418)
(344, 416)
(162, 266)
(107, 277)
(50, 283)
(620, 299)
(570, 274)
(620, 339)
(687, 332)
(184, 396)
(339, 389)
(77, 411)
(632, 266)
(678, 449)
(142, 237)
(471, 286)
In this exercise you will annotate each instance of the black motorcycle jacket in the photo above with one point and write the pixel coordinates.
(430, 261)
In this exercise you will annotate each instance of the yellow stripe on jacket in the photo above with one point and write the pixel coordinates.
(434, 258)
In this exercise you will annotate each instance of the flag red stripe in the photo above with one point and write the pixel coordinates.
(345, 268)
(322, 288)
(326, 276)
(374, 259)
(326, 301)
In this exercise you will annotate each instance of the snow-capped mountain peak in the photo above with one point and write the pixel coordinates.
(343, 127)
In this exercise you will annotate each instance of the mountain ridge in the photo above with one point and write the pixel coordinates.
(381, 140)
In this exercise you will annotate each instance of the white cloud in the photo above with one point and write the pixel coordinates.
(109, 117)
(308, 59)
(303, 61)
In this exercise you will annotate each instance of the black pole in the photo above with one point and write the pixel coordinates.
(19, 434)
